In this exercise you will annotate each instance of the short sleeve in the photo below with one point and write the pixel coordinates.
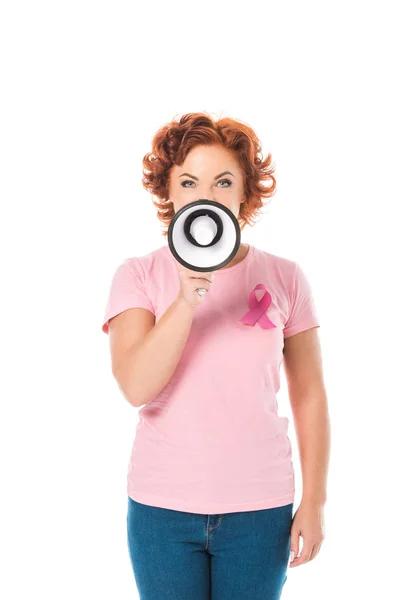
(127, 290)
(303, 314)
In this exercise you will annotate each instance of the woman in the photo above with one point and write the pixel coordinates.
(210, 479)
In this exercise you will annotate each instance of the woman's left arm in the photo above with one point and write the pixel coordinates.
(303, 369)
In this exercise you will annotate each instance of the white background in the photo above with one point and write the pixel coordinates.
(85, 85)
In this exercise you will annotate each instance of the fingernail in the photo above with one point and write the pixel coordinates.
(291, 555)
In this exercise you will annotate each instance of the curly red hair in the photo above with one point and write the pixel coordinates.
(172, 143)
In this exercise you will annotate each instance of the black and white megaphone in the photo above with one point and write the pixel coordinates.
(204, 236)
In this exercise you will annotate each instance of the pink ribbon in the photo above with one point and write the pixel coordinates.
(258, 308)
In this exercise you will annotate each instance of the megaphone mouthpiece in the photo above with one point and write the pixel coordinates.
(204, 230)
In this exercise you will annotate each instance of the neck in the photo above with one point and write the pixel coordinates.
(240, 255)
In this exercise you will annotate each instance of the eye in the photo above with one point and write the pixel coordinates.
(186, 181)
(221, 181)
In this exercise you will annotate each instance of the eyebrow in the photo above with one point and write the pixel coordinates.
(196, 178)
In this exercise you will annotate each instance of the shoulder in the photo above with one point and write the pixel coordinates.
(144, 264)
(284, 275)
(276, 264)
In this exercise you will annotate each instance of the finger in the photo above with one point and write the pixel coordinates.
(304, 555)
(294, 546)
(315, 551)
(209, 278)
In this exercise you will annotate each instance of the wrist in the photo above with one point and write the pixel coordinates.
(184, 305)
(313, 500)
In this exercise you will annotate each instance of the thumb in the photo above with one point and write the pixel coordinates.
(294, 546)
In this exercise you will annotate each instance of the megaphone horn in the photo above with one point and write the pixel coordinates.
(204, 235)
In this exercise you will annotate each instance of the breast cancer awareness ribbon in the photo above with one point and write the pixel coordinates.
(258, 308)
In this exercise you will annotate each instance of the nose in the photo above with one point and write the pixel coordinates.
(206, 196)
(207, 192)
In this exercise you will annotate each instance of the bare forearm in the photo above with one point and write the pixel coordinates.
(148, 367)
(312, 426)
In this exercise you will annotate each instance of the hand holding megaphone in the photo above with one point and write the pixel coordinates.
(203, 236)
(194, 285)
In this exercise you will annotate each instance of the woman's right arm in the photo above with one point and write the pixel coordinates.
(145, 354)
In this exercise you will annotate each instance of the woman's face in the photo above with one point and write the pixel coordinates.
(203, 175)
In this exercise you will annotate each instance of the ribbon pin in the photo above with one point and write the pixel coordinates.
(258, 308)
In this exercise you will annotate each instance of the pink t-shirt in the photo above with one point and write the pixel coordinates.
(211, 441)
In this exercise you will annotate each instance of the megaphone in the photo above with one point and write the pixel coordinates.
(204, 235)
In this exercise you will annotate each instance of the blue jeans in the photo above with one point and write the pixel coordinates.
(179, 555)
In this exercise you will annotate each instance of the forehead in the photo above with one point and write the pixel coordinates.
(204, 158)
